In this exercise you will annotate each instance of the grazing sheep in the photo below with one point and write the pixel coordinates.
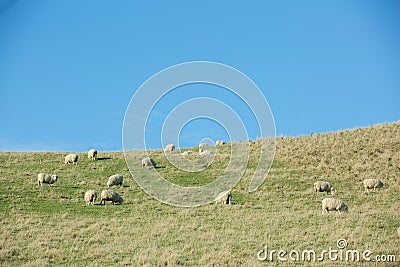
(148, 162)
(71, 158)
(320, 186)
(330, 204)
(224, 197)
(116, 179)
(90, 197)
(398, 231)
(202, 145)
(185, 153)
(92, 154)
(204, 152)
(110, 195)
(44, 178)
(220, 143)
(169, 148)
(372, 183)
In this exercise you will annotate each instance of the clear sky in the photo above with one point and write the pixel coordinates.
(68, 69)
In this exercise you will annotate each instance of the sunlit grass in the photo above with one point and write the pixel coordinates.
(52, 225)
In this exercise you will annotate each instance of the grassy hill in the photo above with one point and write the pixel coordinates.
(51, 225)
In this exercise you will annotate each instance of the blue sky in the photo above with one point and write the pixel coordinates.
(68, 69)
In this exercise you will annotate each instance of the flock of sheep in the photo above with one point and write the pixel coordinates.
(332, 204)
(202, 151)
(117, 179)
(328, 204)
(90, 195)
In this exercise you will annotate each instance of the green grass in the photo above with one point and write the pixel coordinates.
(51, 225)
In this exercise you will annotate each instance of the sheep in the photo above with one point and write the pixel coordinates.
(224, 197)
(330, 204)
(90, 197)
(44, 178)
(220, 143)
(71, 158)
(185, 153)
(110, 195)
(398, 231)
(169, 148)
(202, 145)
(116, 179)
(372, 183)
(204, 152)
(320, 186)
(92, 154)
(148, 162)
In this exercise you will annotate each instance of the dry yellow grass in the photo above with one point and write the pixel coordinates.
(51, 225)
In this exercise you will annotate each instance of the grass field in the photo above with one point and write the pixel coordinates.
(51, 225)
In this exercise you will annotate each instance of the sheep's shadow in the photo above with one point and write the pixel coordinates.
(108, 204)
(104, 158)
(153, 167)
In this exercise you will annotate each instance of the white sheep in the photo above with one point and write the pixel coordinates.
(71, 158)
(90, 197)
(398, 231)
(224, 197)
(92, 154)
(148, 162)
(372, 183)
(116, 179)
(202, 145)
(321, 186)
(169, 148)
(110, 195)
(44, 178)
(331, 204)
(220, 143)
(185, 153)
(204, 152)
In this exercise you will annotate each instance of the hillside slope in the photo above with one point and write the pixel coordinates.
(52, 225)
